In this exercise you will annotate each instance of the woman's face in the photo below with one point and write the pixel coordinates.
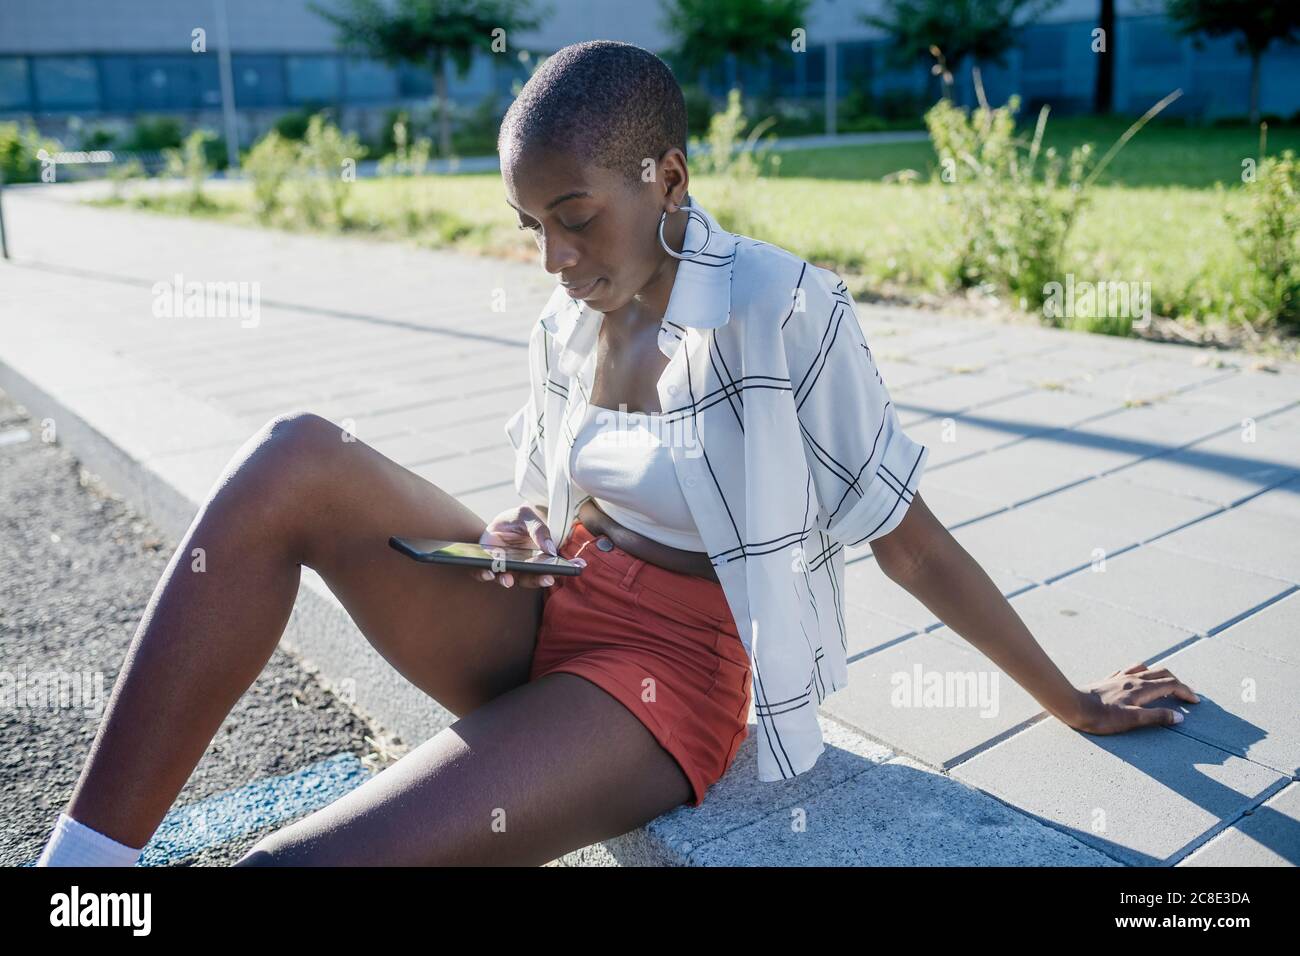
(596, 234)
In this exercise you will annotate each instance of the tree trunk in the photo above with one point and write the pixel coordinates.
(440, 90)
(1254, 87)
(1103, 94)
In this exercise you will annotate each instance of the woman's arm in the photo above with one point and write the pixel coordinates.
(921, 556)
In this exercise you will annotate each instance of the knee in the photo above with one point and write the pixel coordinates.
(301, 435)
(283, 470)
(263, 854)
(295, 448)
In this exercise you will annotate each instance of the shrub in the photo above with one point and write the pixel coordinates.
(20, 146)
(269, 165)
(1011, 223)
(738, 170)
(119, 174)
(405, 158)
(1268, 232)
(190, 162)
(151, 135)
(328, 160)
(1012, 214)
(294, 125)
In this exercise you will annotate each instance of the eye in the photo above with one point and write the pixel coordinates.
(577, 228)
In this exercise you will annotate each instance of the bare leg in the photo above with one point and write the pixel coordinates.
(546, 768)
(296, 494)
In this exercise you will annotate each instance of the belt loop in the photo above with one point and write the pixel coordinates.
(637, 565)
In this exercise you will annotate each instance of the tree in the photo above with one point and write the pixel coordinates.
(709, 31)
(1259, 22)
(980, 30)
(430, 33)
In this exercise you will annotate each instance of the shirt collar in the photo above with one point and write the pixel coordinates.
(700, 298)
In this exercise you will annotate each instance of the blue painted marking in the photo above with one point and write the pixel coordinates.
(227, 816)
(187, 830)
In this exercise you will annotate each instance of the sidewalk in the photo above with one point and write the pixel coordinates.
(1108, 487)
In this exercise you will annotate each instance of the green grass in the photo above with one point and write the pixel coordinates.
(1153, 217)
(1159, 155)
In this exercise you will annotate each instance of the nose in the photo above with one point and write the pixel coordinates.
(557, 256)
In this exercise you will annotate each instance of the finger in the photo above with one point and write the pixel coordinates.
(1134, 669)
(507, 579)
(1164, 687)
(1154, 716)
(1177, 688)
(536, 580)
(540, 535)
(1183, 692)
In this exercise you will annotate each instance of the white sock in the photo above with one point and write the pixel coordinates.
(74, 844)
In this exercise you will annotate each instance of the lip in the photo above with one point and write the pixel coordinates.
(582, 291)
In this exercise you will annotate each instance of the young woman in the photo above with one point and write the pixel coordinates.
(587, 705)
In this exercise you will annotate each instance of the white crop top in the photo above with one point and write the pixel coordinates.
(624, 461)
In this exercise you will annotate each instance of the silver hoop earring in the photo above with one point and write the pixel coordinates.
(690, 210)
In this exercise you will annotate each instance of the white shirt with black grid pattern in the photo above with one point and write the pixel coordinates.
(789, 448)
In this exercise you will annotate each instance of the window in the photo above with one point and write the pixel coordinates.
(258, 80)
(15, 94)
(66, 82)
(313, 79)
(369, 80)
(176, 82)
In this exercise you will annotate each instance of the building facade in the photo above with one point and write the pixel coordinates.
(83, 62)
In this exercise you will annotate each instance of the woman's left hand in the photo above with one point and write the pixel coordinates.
(1115, 705)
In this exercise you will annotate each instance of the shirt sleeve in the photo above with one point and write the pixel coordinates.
(864, 467)
(525, 428)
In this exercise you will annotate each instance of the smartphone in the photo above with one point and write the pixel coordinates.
(483, 556)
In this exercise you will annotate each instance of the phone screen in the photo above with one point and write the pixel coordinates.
(472, 550)
(486, 556)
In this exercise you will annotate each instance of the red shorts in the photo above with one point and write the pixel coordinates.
(662, 642)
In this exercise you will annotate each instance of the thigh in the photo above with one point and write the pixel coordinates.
(550, 767)
(461, 640)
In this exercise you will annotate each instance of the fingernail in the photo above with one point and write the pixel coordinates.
(550, 546)
(1178, 717)
(509, 580)
(547, 581)
(581, 562)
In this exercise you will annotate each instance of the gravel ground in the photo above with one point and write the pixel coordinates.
(77, 568)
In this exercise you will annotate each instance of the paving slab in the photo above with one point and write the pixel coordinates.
(1201, 596)
(1269, 835)
(1123, 510)
(1273, 631)
(1146, 798)
(1248, 702)
(1266, 544)
(914, 817)
(1039, 545)
(1086, 639)
(935, 701)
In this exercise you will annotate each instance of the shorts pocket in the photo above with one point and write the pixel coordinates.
(677, 611)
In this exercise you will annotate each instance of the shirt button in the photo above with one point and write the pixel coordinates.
(690, 481)
(672, 389)
(604, 543)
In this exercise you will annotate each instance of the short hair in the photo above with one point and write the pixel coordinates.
(608, 104)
